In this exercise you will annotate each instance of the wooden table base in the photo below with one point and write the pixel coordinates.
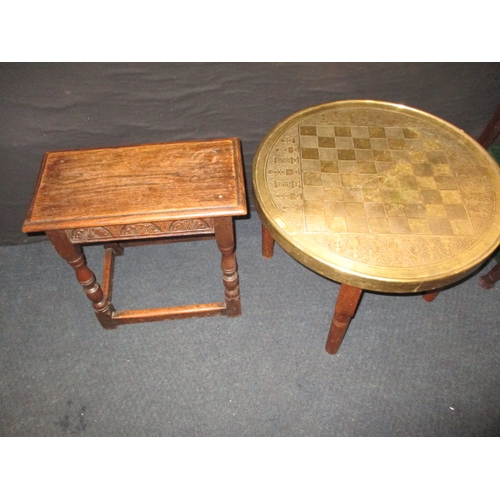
(345, 308)
(101, 296)
(346, 305)
(488, 280)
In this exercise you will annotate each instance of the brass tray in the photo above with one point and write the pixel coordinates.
(379, 196)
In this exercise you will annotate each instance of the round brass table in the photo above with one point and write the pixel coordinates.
(377, 196)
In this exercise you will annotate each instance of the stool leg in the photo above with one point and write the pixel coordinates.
(267, 243)
(224, 235)
(347, 303)
(73, 254)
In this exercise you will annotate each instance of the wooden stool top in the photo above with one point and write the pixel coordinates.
(378, 196)
(138, 184)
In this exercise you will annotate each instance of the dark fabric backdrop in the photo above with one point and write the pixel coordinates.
(54, 106)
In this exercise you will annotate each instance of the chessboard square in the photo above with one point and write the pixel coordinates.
(435, 211)
(369, 181)
(325, 130)
(397, 144)
(362, 143)
(312, 179)
(330, 180)
(416, 211)
(428, 133)
(374, 210)
(372, 195)
(436, 157)
(311, 166)
(456, 211)
(307, 130)
(422, 169)
(364, 154)
(366, 167)
(344, 143)
(327, 154)
(342, 131)
(346, 154)
(408, 182)
(394, 133)
(382, 156)
(411, 196)
(388, 181)
(355, 209)
(357, 225)
(426, 183)
(417, 156)
(391, 196)
(451, 197)
(442, 169)
(348, 167)
(329, 167)
(334, 209)
(401, 156)
(399, 225)
(419, 226)
(379, 144)
(377, 132)
(395, 209)
(314, 208)
(312, 193)
(411, 133)
(350, 180)
(310, 154)
(431, 196)
(462, 227)
(333, 194)
(383, 166)
(336, 224)
(361, 132)
(416, 146)
(315, 223)
(441, 227)
(432, 144)
(326, 142)
(378, 225)
(352, 194)
(309, 142)
(446, 182)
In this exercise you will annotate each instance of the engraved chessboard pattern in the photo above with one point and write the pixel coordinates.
(379, 180)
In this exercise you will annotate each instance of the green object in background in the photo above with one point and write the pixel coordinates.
(495, 152)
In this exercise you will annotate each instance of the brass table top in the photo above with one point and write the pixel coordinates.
(378, 195)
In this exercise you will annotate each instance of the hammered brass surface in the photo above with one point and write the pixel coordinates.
(378, 195)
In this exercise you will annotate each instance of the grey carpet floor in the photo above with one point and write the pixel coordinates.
(405, 368)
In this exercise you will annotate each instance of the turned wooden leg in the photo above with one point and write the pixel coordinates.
(267, 243)
(488, 280)
(74, 256)
(430, 296)
(224, 235)
(347, 303)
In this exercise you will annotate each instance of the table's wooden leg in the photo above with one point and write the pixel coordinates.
(345, 308)
(267, 243)
(73, 254)
(430, 296)
(224, 235)
(488, 280)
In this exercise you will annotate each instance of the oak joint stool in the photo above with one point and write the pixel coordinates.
(141, 195)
